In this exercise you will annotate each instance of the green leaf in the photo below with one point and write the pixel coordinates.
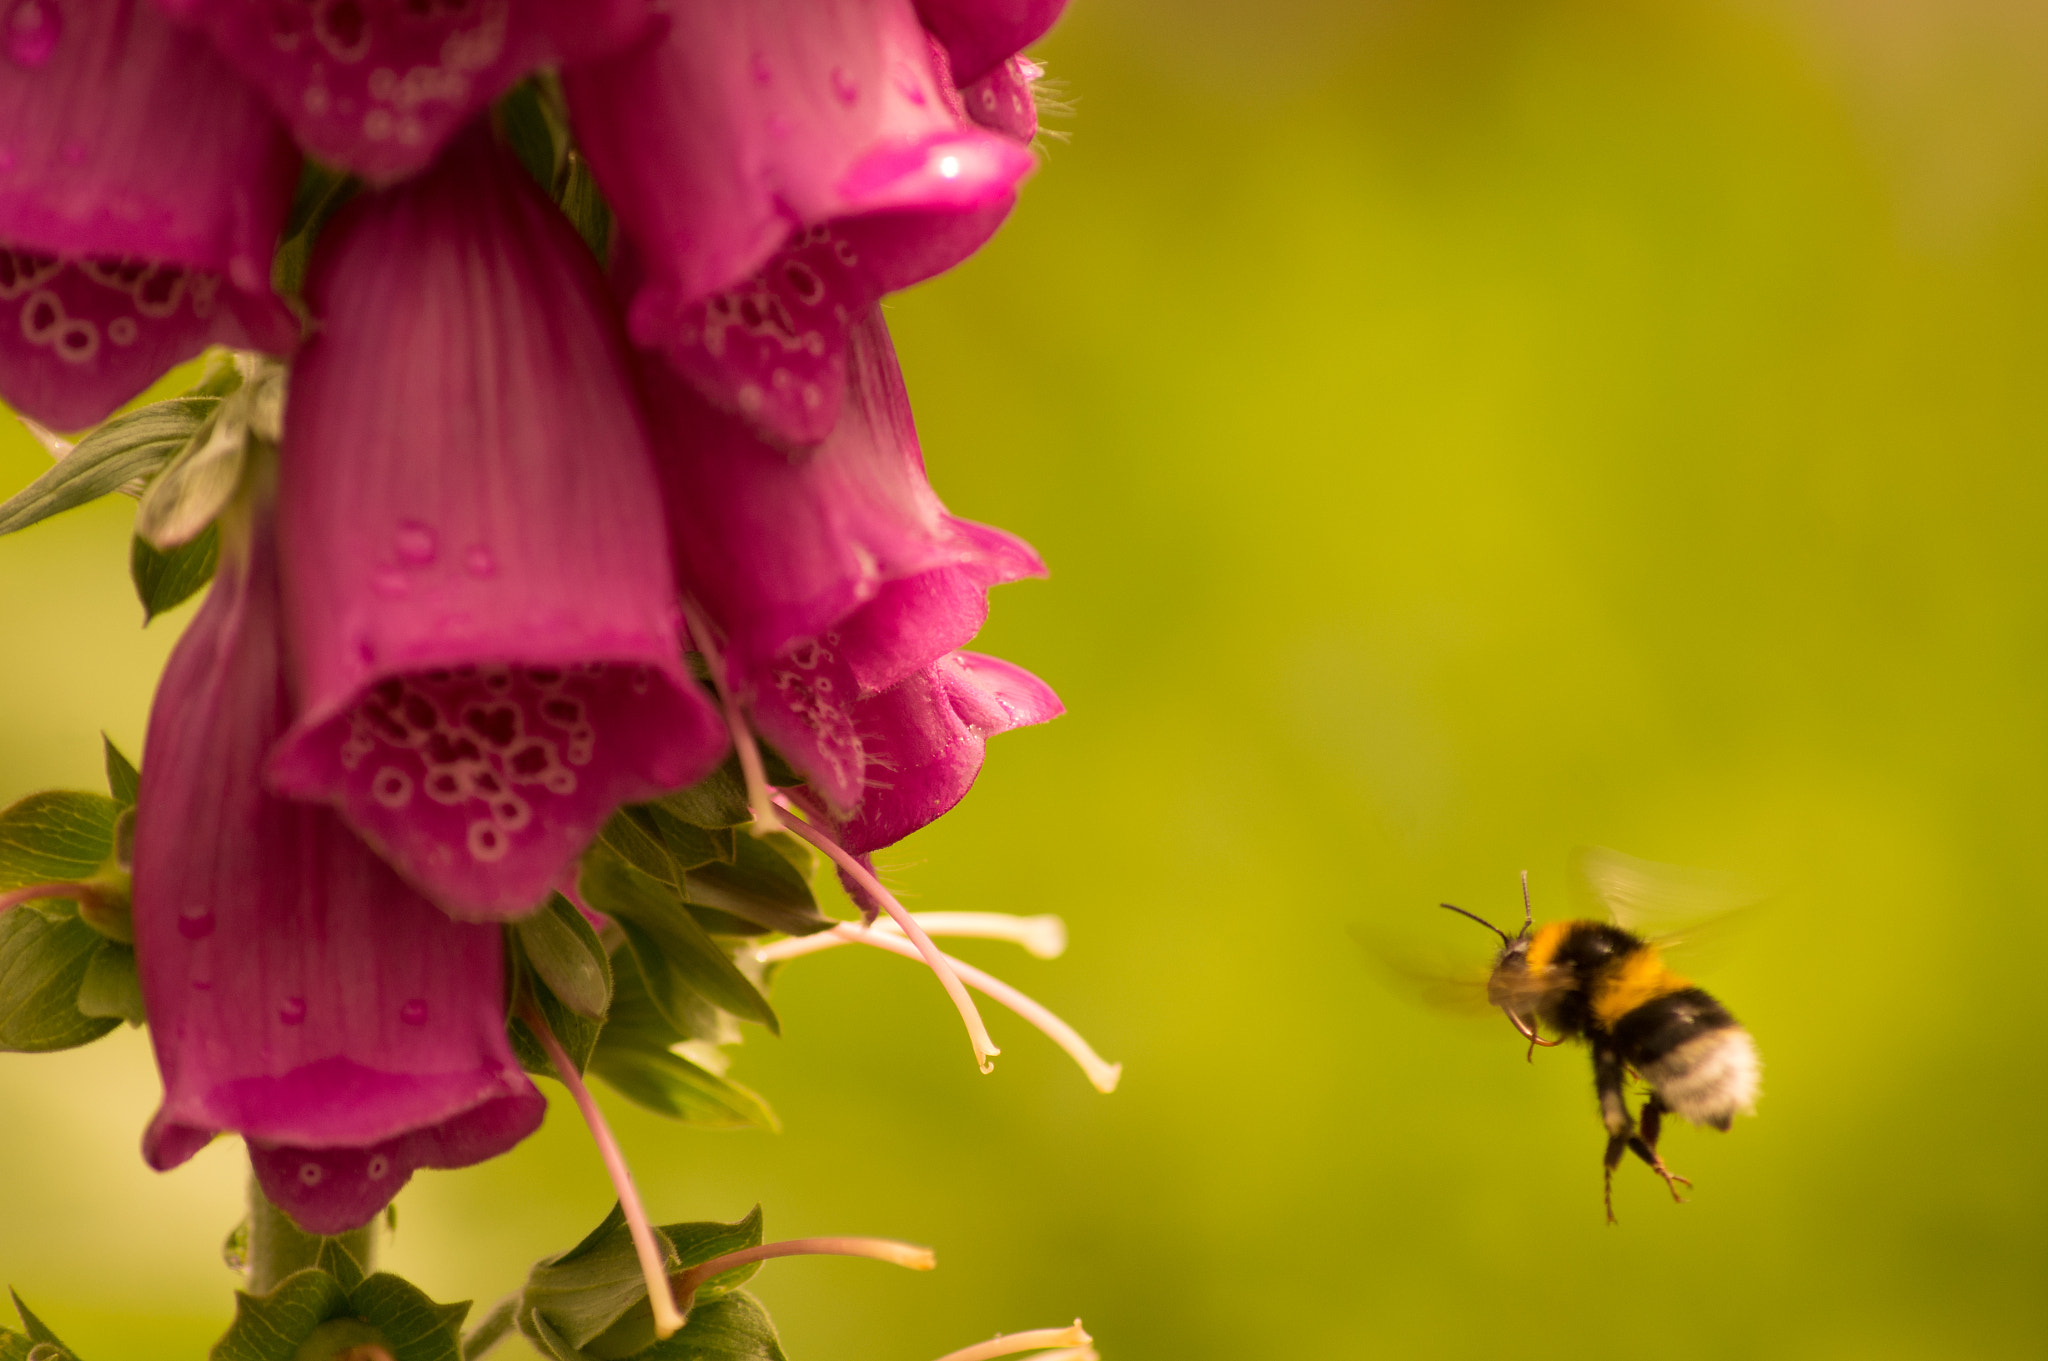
(54, 837)
(528, 133)
(669, 1084)
(635, 1022)
(583, 204)
(686, 843)
(128, 446)
(332, 1256)
(320, 192)
(632, 1333)
(634, 841)
(563, 949)
(38, 1331)
(413, 1327)
(43, 962)
(14, 1346)
(576, 1034)
(586, 1290)
(111, 987)
(718, 800)
(123, 780)
(735, 1328)
(655, 918)
(762, 886)
(163, 579)
(273, 1327)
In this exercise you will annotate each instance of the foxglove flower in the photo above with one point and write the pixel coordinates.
(299, 993)
(141, 191)
(483, 622)
(379, 86)
(781, 549)
(777, 166)
(981, 35)
(879, 768)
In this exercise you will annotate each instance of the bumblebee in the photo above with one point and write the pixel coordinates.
(1599, 982)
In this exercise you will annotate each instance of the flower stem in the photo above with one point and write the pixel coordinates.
(880, 1249)
(278, 1247)
(760, 795)
(977, 1033)
(1035, 1340)
(15, 897)
(653, 1262)
(1102, 1074)
(1045, 937)
(495, 1327)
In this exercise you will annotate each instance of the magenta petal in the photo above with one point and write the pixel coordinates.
(299, 992)
(378, 86)
(754, 121)
(142, 187)
(980, 34)
(1003, 100)
(483, 618)
(779, 547)
(921, 743)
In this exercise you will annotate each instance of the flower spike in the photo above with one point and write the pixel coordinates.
(977, 1033)
(653, 1264)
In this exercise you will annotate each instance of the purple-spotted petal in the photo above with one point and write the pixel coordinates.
(779, 547)
(483, 617)
(776, 166)
(378, 86)
(979, 35)
(300, 994)
(1003, 100)
(142, 187)
(918, 746)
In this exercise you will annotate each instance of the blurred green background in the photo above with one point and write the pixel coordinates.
(1460, 430)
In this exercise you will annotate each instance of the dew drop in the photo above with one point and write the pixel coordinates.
(414, 1012)
(292, 1011)
(844, 86)
(33, 27)
(195, 923)
(480, 561)
(390, 583)
(417, 543)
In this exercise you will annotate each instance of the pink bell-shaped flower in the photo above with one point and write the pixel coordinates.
(779, 548)
(981, 35)
(299, 993)
(379, 86)
(142, 187)
(482, 615)
(776, 167)
(880, 768)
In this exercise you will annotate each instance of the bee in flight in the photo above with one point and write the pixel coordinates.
(1602, 983)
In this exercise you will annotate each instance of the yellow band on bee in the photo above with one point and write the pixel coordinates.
(1543, 945)
(1635, 979)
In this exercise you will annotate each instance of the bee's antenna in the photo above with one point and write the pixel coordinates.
(1528, 913)
(1506, 939)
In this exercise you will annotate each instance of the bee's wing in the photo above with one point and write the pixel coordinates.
(1667, 904)
(1437, 979)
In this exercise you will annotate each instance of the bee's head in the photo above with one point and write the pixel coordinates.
(1514, 950)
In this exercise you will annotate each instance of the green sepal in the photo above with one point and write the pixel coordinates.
(576, 1034)
(333, 1257)
(44, 956)
(565, 953)
(56, 836)
(124, 781)
(637, 1023)
(686, 843)
(14, 1346)
(321, 190)
(634, 841)
(135, 444)
(669, 1084)
(584, 1291)
(718, 800)
(412, 1326)
(111, 987)
(528, 131)
(763, 887)
(39, 1332)
(735, 1328)
(166, 579)
(671, 948)
(584, 205)
(273, 1327)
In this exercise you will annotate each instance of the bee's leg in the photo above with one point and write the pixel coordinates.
(1645, 1145)
(1607, 1083)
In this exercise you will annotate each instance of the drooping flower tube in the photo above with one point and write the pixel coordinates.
(299, 993)
(379, 86)
(776, 167)
(142, 187)
(781, 549)
(482, 616)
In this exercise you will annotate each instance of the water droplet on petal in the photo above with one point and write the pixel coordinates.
(390, 583)
(417, 543)
(32, 30)
(292, 1011)
(844, 86)
(480, 561)
(414, 1012)
(195, 923)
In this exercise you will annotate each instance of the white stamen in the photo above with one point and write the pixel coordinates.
(878, 1249)
(1044, 936)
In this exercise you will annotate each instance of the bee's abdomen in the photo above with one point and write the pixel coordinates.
(1693, 1055)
